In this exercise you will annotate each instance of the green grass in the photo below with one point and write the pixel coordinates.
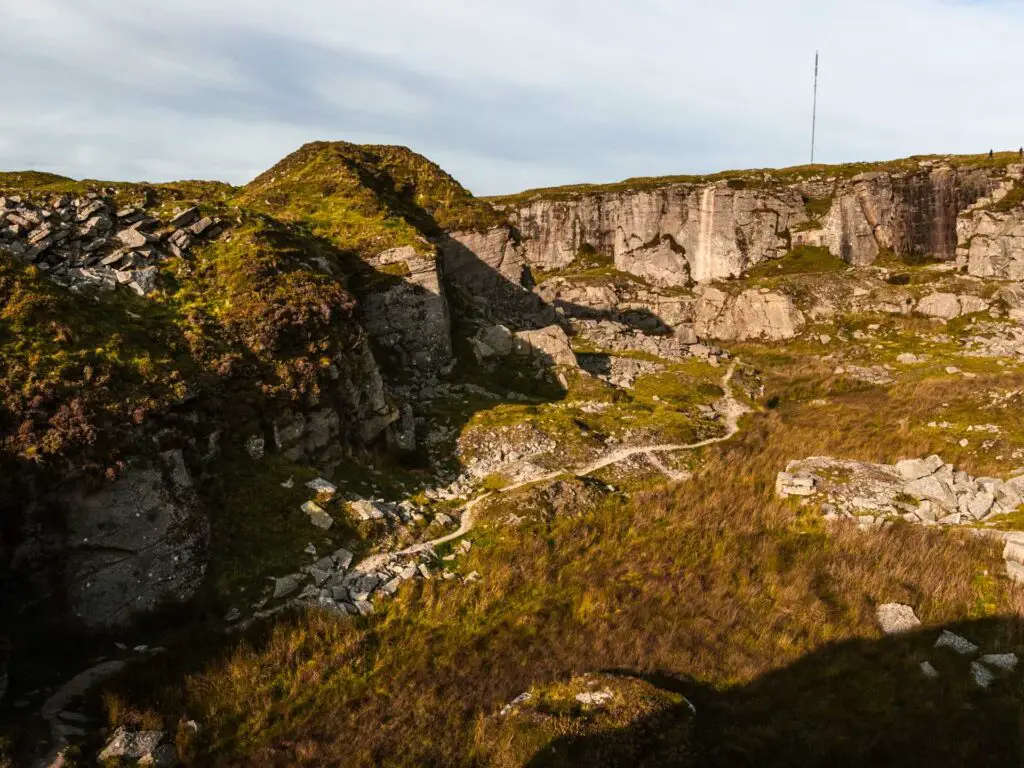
(753, 178)
(817, 207)
(365, 198)
(802, 260)
(74, 369)
(1013, 199)
(660, 408)
(257, 526)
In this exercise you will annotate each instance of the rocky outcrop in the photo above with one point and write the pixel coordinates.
(693, 232)
(669, 236)
(545, 346)
(487, 269)
(911, 213)
(994, 244)
(407, 316)
(918, 490)
(123, 548)
(946, 306)
(88, 242)
(753, 314)
(139, 748)
(991, 232)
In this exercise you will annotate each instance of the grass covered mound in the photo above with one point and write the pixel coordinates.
(270, 299)
(73, 366)
(366, 198)
(594, 720)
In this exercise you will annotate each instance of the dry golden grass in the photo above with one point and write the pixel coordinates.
(747, 599)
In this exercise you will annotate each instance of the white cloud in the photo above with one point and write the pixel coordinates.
(504, 95)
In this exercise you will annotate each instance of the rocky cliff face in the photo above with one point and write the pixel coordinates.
(407, 314)
(669, 236)
(127, 546)
(991, 231)
(908, 213)
(489, 271)
(681, 233)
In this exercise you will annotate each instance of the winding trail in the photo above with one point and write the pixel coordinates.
(731, 408)
(55, 708)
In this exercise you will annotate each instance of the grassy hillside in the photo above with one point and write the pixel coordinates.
(245, 322)
(709, 590)
(714, 588)
(252, 311)
(366, 198)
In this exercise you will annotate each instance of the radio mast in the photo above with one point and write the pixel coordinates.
(814, 112)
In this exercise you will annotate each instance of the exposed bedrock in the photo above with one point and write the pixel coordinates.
(910, 214)
(691, 232)
(408, 315)
(991, 232)
(124, 548)
(489, 271)
(669, 236)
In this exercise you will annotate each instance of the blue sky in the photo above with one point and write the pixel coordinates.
(504, 95)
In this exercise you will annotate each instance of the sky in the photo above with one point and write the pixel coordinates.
(504, 95)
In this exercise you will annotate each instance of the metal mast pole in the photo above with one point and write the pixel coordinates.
(814, 113)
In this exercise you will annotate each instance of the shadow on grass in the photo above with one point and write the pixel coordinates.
(863, 702)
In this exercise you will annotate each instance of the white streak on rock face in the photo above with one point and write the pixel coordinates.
(669, 235)
(702, 265)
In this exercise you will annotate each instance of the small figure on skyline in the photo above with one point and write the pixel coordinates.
(990, 154)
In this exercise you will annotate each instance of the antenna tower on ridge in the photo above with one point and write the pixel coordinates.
(814, 113)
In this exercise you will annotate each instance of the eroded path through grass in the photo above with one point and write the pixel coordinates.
(732, 409)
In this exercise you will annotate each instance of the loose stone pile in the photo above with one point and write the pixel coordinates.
(926, 491)
(680, 343)
(896, 619)
(88, 241)
(331, 582)
(875, 374)
(921, 491)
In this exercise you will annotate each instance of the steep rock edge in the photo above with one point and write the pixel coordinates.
(115, 408)
(990, 233)
(677, 233)
(380, 207)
